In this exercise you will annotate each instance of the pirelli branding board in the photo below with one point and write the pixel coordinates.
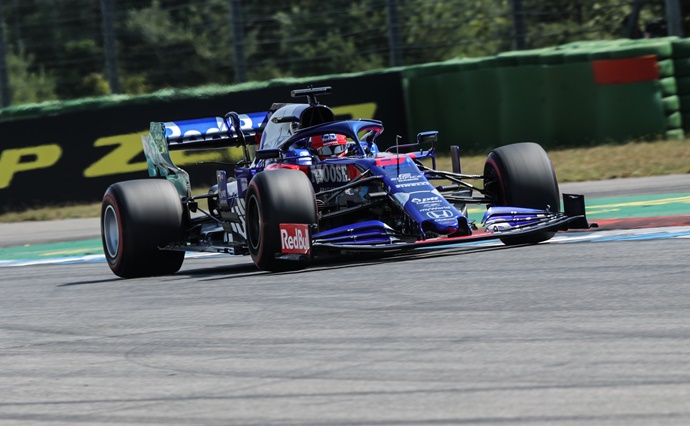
(73, 157)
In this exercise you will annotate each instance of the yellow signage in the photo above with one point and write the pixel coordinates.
(125, 149)
(25, 159)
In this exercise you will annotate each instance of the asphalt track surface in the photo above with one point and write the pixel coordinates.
(558, 333)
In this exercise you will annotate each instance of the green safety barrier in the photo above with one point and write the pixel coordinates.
(480, 119)
(549, 96)
(458, 105)
(681, 48)
(661, 49)
(628, 111)
(684, 102)
(681, 67)
(671, 104)
(683, 85)
(666, 68)
(674, 121)
(573, 119)
(524, 104)
(669, 86)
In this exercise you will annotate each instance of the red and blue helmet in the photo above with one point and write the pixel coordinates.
(329, 145)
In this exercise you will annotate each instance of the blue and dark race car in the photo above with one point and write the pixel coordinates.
(316, 186)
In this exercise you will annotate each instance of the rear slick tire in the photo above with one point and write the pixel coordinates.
(521, 175)
(138, 217)
(274, 197)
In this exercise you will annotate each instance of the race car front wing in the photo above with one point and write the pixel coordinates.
(499, 222)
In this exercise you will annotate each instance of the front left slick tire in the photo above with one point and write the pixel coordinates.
(521, 175)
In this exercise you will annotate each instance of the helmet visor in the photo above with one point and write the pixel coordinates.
(330, 150)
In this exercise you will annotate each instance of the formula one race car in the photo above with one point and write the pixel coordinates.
(317, 186)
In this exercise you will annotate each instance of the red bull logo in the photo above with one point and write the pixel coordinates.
(294, 238)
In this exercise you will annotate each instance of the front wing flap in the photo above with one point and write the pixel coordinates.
(573, 218)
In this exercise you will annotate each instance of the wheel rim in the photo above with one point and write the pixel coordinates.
(253, 223)
(111, 231)
(492, 185)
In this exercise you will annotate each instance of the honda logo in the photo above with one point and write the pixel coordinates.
(440, 214)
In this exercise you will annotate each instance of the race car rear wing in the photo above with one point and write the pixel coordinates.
(200, 133)
(210, 132)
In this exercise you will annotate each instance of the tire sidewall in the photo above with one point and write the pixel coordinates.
(150, 214)
(281, 196)
(493, 162)
(110, 200)
(258, 251)
(511, 188)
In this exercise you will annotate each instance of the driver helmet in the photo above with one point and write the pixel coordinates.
(329, 145)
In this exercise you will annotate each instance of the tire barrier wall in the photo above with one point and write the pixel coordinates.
(71, 152)
(572, 95)
(681, 65)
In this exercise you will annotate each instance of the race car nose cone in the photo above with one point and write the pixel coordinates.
(443, 226)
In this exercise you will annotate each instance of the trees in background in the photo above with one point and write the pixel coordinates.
(55, 47)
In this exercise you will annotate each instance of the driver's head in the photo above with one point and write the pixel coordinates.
(329, 145)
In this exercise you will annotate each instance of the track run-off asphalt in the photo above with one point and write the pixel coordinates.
(591, 328)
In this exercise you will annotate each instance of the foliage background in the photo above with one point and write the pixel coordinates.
(55, 47)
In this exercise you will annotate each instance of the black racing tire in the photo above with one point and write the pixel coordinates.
(274, 197)
(521, 175)
(138, 217)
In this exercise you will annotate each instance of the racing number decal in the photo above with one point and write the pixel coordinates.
(294, 238)
(25, 159)
(390, 161)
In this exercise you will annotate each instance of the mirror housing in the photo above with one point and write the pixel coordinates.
(268, 154)
(426, 137)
